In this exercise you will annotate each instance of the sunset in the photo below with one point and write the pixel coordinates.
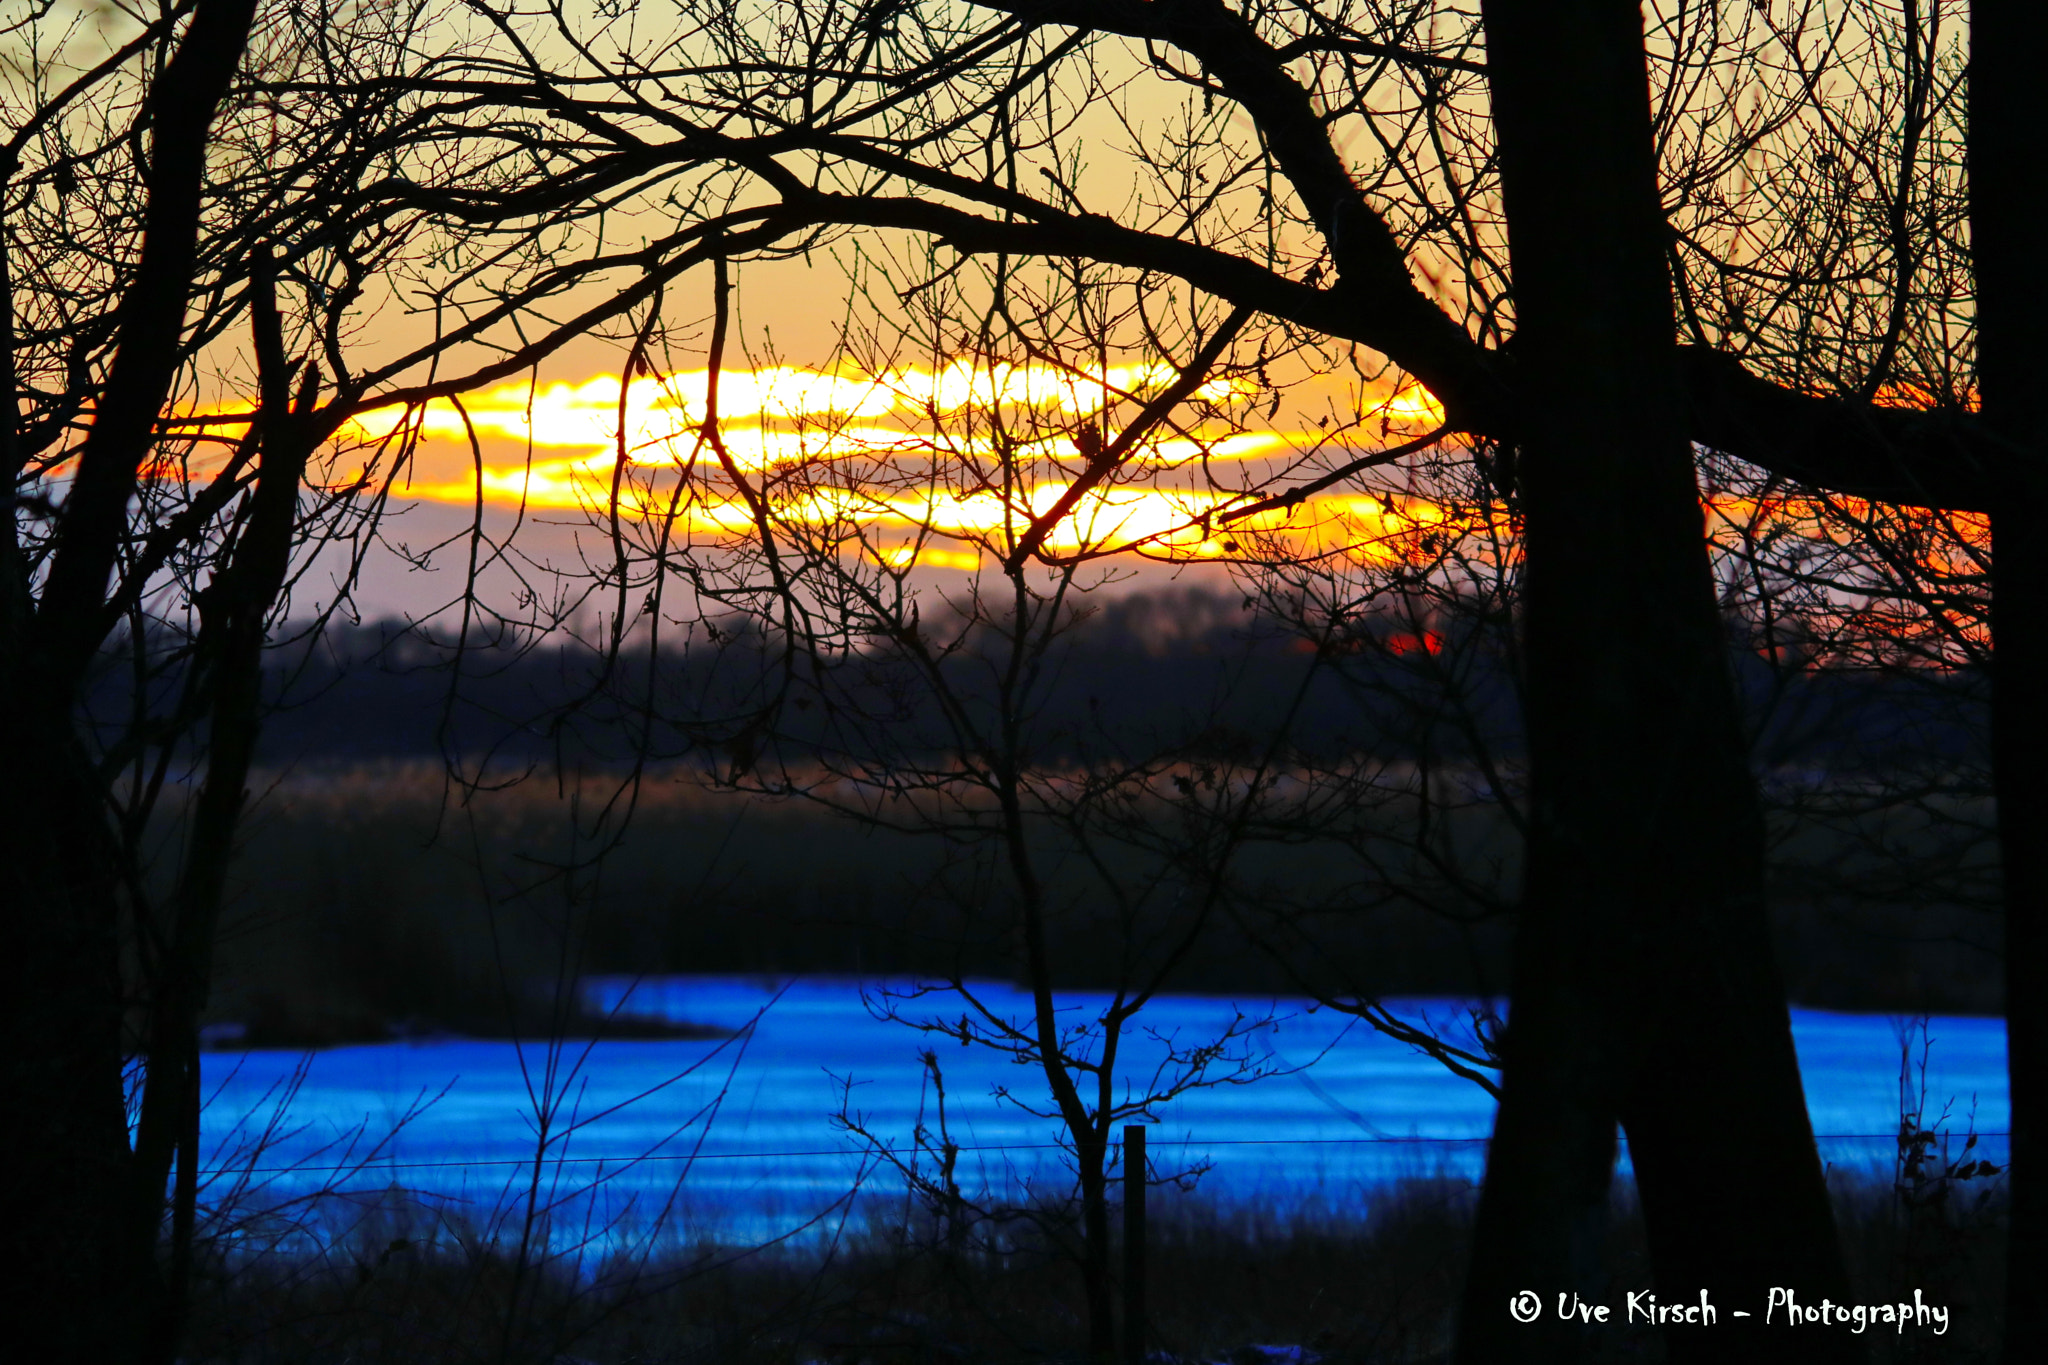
(903, 453)
(1024, 682)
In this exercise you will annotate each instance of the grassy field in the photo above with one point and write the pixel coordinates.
(362, 903)
(365, 904)
(1370, 1283)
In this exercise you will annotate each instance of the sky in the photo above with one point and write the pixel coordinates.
(904, 460)
(902, 457)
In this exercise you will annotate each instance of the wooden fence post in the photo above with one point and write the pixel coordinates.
(1134, 1244)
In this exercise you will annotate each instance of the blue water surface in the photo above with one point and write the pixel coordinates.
(749, 1137)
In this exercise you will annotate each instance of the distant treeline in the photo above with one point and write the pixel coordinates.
(371, 898)
(1183, 670)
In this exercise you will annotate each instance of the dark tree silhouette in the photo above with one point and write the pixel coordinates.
(1555, 176)
(71, 1175)
(1643, 984)
(199, 220)
(2008, 205)
(1606, 148)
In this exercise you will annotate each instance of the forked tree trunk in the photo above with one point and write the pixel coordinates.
(84, 1285)
(2008, 211)
(1644, 991)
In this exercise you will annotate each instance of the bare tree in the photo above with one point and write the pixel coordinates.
(926, 711)
(209, 224)
(2006, 207)
(1879, 259)
(1643, 928)
(1477, 206)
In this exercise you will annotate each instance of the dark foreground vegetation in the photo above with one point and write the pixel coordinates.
(1357, 1280)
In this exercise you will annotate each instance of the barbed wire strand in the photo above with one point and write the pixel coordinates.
(645, 1157)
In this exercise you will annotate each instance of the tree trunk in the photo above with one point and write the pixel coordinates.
(88, 1287)
(2019, 760)
(1095, 1277)
(1643, 991)
(2008, 205)
(227, 665)
(82, 1289)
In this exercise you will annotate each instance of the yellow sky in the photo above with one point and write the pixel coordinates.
(907, 458)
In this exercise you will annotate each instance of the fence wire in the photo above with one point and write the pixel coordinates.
(643, 1158)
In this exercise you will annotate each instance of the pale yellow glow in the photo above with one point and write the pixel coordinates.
(754, 449)
(670, 409)
(904, 466)
(970, 525)
(1412, 405)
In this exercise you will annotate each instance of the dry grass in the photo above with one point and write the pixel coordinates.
(1362, 1284)
(363, 906)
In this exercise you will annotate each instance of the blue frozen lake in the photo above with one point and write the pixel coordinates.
(739, 1139)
